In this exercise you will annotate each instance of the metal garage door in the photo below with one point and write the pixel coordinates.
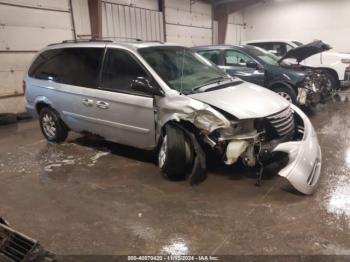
(26, 26)
(125, 22)
(188, 22)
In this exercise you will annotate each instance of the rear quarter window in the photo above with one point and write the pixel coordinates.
(73, 66)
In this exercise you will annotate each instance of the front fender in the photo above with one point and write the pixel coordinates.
(180, 107)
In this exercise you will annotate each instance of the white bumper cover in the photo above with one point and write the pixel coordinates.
(304, 166)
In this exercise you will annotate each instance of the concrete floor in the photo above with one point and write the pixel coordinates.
(86, 197)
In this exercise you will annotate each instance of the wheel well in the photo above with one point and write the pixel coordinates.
(333, 73)
(39, 106)
(185, 124)
(279, 84)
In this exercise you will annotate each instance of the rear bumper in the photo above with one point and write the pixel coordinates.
(304, 166)
(32, 111)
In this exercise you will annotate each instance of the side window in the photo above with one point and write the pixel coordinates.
(236, 58)
(73, 66)
(289, 47)
(212, 55)
(119, 69)
(280, 48)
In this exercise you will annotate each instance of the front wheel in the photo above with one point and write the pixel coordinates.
(174, 154)
(52, 126)
(287, 93)
(329, 84)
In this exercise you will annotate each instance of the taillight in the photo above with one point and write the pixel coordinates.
(24, 87)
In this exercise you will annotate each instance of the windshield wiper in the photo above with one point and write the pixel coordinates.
(216, 80)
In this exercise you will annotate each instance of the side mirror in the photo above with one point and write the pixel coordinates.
(143, 85)
(252, 64)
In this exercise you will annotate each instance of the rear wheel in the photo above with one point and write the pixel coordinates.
(287, 93)
(174, 154)
(52, 126)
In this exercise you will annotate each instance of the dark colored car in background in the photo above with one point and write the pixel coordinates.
(299, 85)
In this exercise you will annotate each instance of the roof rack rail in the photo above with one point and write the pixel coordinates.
(104, 39)
(86, 40)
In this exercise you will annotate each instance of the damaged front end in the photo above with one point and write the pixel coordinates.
(255, 140)
(315, 88)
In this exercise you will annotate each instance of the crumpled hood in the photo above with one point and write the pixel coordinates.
(244, 101)
(302, 52)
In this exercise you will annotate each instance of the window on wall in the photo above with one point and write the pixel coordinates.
(212, 55)
(119, 69)
(73, 66)
(236, 58)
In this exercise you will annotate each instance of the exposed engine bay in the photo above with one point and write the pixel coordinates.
(253, 140)
(315, 88)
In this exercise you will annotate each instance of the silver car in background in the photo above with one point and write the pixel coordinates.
(166, 98)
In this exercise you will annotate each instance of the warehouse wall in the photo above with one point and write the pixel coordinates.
(188, 22)
(145, 4)
(141, 20)
(301, 20)
(26, 27)
(235, 33)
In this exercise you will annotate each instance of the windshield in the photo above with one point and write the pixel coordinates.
(264, 55)
(297, 43)
(182, 69)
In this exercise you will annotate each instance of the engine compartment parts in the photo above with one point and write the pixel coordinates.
(16, 247)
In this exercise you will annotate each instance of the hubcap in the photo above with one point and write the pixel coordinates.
(162, 152)
(49, 126)
(285, 96)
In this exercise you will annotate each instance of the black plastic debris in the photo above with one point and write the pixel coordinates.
(16, 247)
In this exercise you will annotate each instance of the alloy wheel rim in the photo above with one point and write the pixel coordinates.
(49, 126)
(162, 152)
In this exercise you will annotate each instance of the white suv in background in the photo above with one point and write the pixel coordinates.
(338, 64)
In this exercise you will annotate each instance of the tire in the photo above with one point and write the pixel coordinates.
(287, 93)
(52, 126)
(331, 84)
(172, 157)
(7, 118)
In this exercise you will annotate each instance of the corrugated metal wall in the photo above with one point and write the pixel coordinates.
(125, 22)
(235, 33)
(188, 22)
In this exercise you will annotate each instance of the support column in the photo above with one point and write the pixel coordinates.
(222, 28)
(95, 12)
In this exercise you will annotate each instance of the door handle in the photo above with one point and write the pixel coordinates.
(102, 105)
(88, 102)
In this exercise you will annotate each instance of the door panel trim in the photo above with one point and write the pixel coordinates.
(107, 123)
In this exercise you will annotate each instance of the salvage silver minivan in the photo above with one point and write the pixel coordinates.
(168, 99)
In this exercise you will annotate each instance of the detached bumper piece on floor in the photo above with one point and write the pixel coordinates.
(16, 247)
